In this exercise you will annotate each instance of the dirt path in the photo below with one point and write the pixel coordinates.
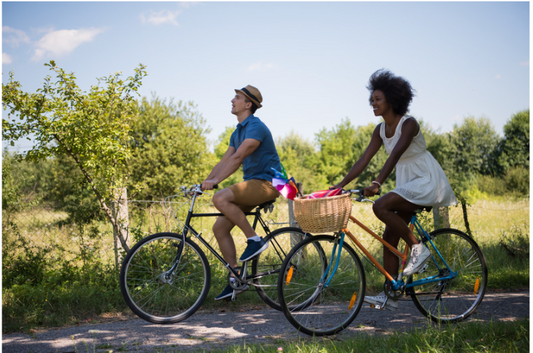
(205, 331)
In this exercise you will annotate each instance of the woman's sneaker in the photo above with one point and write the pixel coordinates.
(381, 301)
(419, 256)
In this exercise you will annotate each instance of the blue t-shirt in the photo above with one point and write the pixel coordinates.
(259, 164)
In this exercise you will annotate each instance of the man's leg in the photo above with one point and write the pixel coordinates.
(224, 201)
(222, 229)
(238, 198)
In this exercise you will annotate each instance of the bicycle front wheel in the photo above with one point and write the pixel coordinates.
(455, 299)
(266, 267)
(321, 290)
(154, 291)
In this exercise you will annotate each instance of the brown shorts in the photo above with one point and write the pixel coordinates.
(251, 193)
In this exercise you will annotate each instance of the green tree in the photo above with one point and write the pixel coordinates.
(334, 157)
(465, 153)
(169, 148)
(340, 147)
(513, 150)
(296, 154)
(474, 141)
(13, 196)
(91, 128)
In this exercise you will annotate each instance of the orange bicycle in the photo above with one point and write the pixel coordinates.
(321, 285)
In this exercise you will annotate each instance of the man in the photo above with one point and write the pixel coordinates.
(251, 145)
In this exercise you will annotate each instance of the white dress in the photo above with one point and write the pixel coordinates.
(419, 177)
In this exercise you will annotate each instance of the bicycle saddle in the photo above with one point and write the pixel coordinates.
(423, 208)
(267, 206)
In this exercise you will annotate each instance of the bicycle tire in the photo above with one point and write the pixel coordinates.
(307, 303)
(164, 299)
(266, 267)
(456, 299)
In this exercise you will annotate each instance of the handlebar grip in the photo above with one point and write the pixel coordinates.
(214, 186)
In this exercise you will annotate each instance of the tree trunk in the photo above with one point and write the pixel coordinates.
(121, 225)
(465, 217)
(441, 217)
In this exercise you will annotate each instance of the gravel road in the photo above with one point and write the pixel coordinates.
(208, 330)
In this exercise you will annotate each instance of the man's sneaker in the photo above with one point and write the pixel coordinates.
(419, 256)
(253, 249)
(228, 292)
(378, 300)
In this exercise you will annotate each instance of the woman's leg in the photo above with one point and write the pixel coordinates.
(395, 212)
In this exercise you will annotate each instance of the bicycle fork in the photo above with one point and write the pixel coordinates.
(168, 276)
(335, 258)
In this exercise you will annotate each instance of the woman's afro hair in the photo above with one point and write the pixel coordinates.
(397, 90)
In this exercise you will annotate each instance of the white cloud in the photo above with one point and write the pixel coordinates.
(159, 18)
(13, 36)
(260, 66)
(6, 59)
(63, 42)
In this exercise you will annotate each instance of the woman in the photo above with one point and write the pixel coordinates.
(420, 180)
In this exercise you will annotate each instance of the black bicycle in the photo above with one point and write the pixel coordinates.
(166, 277)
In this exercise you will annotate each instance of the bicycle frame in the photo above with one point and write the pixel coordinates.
(399, 284)
(439, 277)
(187, 227)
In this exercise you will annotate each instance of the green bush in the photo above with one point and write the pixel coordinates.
(492, 185)
(517, 180)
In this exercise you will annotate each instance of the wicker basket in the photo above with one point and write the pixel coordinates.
(328, 214)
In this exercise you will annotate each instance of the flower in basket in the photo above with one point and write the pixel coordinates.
(284, 183)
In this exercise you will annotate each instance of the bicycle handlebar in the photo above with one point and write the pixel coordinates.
(360, 192)
(194, 189)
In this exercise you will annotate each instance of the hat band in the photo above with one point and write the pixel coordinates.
(250, 95)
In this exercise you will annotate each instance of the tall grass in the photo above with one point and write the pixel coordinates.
(56, 273)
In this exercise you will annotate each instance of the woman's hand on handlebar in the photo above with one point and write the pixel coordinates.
(372, 190)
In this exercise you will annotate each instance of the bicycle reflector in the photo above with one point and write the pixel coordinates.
(352, 301)
(476, 286)
(289, 275)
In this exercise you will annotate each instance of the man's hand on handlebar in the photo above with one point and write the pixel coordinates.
(209, 184)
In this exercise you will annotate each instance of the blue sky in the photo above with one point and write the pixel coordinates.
(310, 60)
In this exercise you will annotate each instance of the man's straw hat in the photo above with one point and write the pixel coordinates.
(252, 93)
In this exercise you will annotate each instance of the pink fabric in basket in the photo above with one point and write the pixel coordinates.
(324, 193)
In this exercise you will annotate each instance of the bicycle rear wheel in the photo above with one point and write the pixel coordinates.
(266, 267)
(157, 295)
(455, 299)
(311, 301)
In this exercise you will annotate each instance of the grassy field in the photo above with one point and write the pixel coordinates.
(56, 274)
